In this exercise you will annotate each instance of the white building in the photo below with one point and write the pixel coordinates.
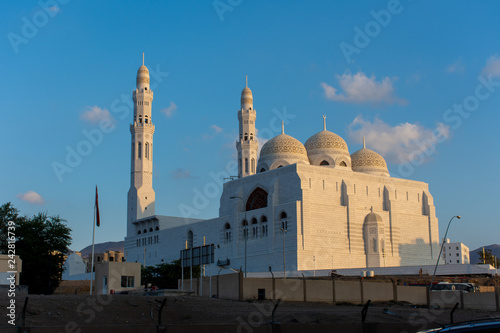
(307, 206)
(455, 253)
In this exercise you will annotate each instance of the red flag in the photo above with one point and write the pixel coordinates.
(97, 218)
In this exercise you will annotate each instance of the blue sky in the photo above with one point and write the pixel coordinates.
(420, 79)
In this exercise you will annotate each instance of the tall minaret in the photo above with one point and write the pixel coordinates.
(141, 196)
(247, 145)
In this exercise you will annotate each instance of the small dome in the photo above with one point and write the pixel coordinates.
(283, 144)
(373, 218)
(246, 96)
(366, 160)
(142, 70)
(142, 76)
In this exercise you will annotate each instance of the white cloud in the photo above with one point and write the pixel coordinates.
(216, 128)
(492, 66)
(32, 197)
(170, 110)
(180, 173)
(95, 114)
(456, 67)
(398, 144)
(359, 88)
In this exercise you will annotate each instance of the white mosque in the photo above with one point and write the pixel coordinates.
(303, 206)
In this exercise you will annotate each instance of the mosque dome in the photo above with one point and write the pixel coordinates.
(368, 161)
(142, 76)
(280, 151)
(246, 96)
(327, 148)
(283, 144)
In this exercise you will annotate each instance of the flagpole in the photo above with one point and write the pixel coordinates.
(93, 237)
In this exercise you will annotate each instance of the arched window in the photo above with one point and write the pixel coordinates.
(246, 136)
(146, 150)
(150, 229)
(140, 119)
(139, 232)
(262, 170)
(139, 150)
(255, 228)
(251, 136)
(279, 166)
(263, 220)
(244, 223)
(342, 164)
(324, 163)
(145, 231)
(283, 220)
(189, 239)
(145, 119)
(227, 232)
(256, 200)
(246, 165)
(253, 165)
(157, 228)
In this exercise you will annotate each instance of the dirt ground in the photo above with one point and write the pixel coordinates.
(85, 310)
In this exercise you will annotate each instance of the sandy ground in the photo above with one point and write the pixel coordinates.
(85, 310)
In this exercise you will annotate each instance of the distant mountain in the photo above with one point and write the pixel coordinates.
(474, 256)
(103, 247)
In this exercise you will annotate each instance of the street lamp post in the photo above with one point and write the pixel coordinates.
(284, 258)
(442, 245)
(245, 230)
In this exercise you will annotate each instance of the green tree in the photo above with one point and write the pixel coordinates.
(165, 276)
(7, 213)
(42, 242)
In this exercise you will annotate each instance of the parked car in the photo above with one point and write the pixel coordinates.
(465, 287)
(491, 325)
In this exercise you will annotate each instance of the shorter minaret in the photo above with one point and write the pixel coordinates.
(247, 145)
(141, 196)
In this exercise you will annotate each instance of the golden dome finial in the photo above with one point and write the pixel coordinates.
(324, 123)
(364, 142)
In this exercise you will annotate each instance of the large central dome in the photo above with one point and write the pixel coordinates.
(327, 149)
(326, 139)
(280, 151)
(283, 144)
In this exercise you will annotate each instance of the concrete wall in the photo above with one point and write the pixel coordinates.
(445, 299)
(289, 289)
(234, 286)
(413, 295)
(481, 301)
(377, 291)
(251, 288)
(319, 291)
(348, 291)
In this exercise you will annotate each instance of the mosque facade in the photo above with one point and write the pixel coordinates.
(294, 207)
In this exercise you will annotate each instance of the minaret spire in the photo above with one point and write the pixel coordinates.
(246, 81)
(143, 58)
(324, 123)
(282, 127)
(364, 142)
